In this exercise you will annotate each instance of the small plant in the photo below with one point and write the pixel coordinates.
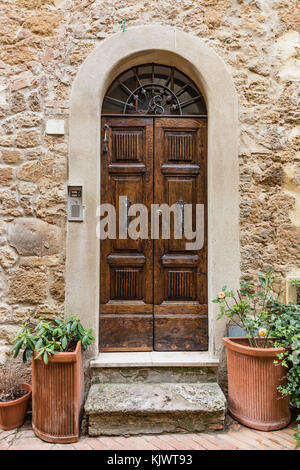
(50, 337)
(248, 309)
(285, 325)
(10, 379)
(259, 313)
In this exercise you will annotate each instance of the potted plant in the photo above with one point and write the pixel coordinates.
(55, 347)
(253, 378)
(285, 321)
(14, 396)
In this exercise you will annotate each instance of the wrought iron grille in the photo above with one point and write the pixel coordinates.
(153, 89)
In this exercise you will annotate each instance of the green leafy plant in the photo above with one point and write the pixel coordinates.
(249, 309)
(50, 337)
(258, 313)
(285, 325)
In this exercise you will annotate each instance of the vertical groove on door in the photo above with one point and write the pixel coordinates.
(180, 147)
(125, 146)
(126, 284)
(180, 284)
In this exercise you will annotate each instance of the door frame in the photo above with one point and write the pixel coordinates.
(119, 52)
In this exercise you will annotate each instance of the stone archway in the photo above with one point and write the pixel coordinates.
(121, 51)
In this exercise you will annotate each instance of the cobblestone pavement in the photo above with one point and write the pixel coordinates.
(235, 437)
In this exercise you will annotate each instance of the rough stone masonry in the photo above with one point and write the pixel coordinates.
(42, 45)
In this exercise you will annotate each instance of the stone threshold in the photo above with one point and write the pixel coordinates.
(154, 359)
(124, 408)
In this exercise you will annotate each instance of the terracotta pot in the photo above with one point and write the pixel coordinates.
(253, 378)
(12, 413)
(57, 396)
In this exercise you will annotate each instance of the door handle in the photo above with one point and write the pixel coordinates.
(181, 214)
(126, 203)
(105, 140)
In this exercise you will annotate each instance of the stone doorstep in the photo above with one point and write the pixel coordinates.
(119, 409)
(153, 375)
(155, 359)
(154, 367)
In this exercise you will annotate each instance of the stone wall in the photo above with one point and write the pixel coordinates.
(44, 42)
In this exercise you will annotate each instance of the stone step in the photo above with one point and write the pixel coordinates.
(153, 374)
(139, 408)
(154, 367)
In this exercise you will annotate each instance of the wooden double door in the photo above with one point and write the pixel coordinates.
(153, 292)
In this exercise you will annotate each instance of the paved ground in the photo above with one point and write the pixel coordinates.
(235, 437)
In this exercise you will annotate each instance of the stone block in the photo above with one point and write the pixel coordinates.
(11, 156)
(3, 352)
(80, 53)
(34, 4)
(27, 286)
(8, 257)
(22, 314)
(57, 288)
(6, 176)
(39, 261)
(31, 236)
(43, 23)
(27, 189)
(35, 103)
(6, 141)
(31, 172)
(120, 409)
(24, 80)
(28, 119)
(9, 205)
(26, 139)
(7, 333)
(51, 168)
(17, 54)
(201, 374)
(18, 103)
(3, 92)
(5, 314)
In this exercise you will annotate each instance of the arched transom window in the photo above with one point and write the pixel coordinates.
(153, 89)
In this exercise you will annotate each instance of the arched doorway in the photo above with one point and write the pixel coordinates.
(119, 52)
(153, 292)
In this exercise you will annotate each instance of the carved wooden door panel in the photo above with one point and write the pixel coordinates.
(180, 291)
(126, 270)
(153, 293)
